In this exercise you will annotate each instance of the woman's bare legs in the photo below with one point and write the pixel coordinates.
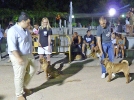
(39, 68)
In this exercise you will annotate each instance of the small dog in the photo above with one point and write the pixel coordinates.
(94, 54)
(116, 67)
(78, 57)
(50, 71)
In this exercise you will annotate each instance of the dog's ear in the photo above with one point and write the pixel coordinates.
(107, 59)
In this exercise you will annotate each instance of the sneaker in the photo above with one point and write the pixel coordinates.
(103, 75)
(28, 92)
(113, 75)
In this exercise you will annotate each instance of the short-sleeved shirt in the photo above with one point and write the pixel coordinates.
(113, 41)
(88, 39)
(1, 34)
(20, 40)
(36, 31)
(44, 33)
(104, 33)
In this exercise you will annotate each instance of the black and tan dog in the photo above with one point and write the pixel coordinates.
(50, 71)
(93, 54)
(116, 67)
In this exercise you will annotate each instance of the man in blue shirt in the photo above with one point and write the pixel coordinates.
(20, 52)
(105, 43)
(88, 42)
(1, 36)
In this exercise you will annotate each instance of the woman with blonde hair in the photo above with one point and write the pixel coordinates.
(44, 40)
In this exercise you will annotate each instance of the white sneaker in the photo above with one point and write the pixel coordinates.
(113, 75)
(103, 75)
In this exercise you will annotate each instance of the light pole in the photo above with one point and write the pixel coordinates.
(70, 18)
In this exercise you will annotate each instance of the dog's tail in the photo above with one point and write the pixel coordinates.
(125, 61)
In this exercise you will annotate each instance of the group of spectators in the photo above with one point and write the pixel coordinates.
(130, 21)
(89, 41)
(80, 44)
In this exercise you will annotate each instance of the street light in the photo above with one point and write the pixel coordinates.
(112, 12)
(122, 15)
(72, 16)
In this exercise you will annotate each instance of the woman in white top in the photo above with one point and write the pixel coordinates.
(114, 41)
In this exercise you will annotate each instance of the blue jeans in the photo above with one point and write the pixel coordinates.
(107, 48)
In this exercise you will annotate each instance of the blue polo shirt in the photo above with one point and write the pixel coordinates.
(1, 34)
(20, 40)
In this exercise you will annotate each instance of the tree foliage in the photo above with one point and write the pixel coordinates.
(51, 8)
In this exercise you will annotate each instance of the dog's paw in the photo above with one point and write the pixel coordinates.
(127, 82)
(108, 80)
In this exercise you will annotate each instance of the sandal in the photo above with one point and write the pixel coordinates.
(38, 72)
(28, 92)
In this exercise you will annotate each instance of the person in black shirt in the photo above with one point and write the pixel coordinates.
(44, 40)
(76, 44)
(88, 42)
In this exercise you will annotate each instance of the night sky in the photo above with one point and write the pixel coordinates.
(79, 6)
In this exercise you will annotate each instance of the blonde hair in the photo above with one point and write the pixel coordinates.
(48, 24)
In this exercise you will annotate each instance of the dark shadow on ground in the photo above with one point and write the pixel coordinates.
(2, 97)
(121, 75)
(62, 62)
(74, 68)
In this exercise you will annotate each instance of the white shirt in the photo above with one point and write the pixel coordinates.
(36, 31)
(113, 41)
(1, 34)
(127, 22)
(19, 39)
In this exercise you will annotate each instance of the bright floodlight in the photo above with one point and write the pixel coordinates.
(112, 12)
(122, 15)
(72, 16)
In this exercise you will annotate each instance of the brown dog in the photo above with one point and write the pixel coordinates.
(117, 67)
(78, 57)
(93, 54)
(50, 71)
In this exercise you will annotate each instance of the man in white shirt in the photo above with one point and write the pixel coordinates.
(20, 52)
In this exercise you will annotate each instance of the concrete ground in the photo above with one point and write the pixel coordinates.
(80, 81)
